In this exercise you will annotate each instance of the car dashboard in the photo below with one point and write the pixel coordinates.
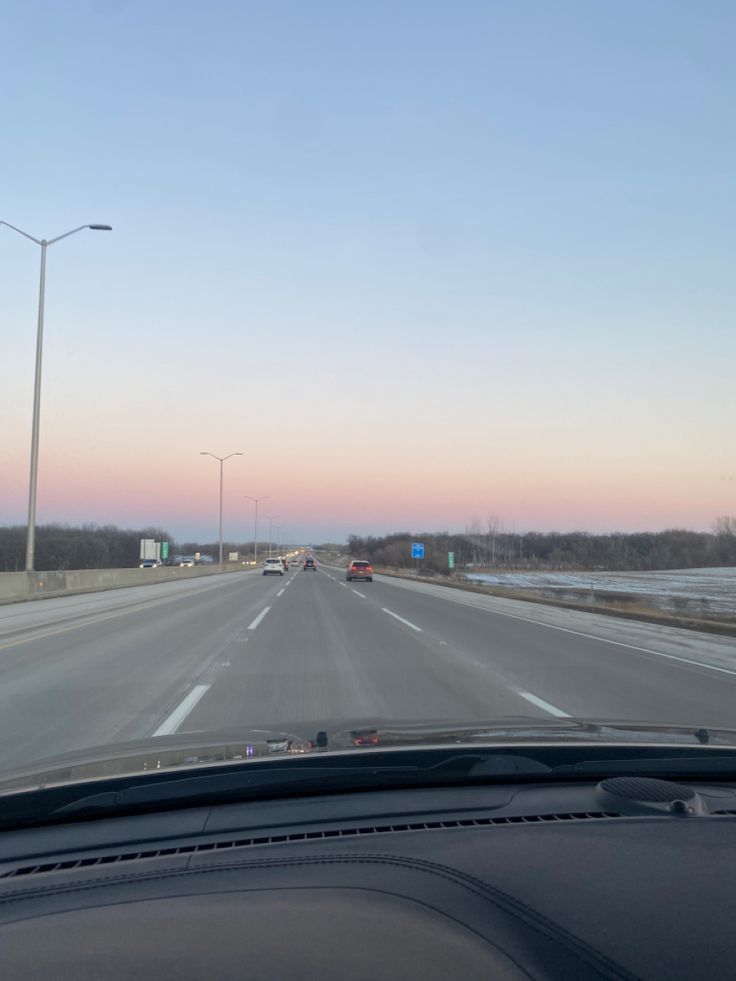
(506, 881)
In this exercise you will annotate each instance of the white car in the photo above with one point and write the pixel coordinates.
(150, 564)
(186, 562)
(273, 567)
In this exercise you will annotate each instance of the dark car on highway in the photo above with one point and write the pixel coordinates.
(360, 570)
(309, 563)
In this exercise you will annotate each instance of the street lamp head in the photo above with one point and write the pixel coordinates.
(100, 228)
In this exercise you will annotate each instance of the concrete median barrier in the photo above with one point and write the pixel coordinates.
(16, 587)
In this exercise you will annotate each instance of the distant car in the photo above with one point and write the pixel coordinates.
(309, 563)
(186, 562)
(273, 567)
(360, 570)
(286, 563)
(150, 564)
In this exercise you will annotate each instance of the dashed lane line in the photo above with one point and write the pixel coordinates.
(542, 704)
(172, 722)
(396, 616)
(261, 615)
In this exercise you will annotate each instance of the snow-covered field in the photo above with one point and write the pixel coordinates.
(692, 591)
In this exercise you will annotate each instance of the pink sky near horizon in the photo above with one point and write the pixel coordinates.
(374, 484)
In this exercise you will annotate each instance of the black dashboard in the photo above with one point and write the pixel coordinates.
(505, 881)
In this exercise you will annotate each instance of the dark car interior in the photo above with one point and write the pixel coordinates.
(625, 877)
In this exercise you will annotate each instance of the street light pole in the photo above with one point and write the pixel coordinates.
(35, 426)
(255, 532)
(221, 460)
(270, 530)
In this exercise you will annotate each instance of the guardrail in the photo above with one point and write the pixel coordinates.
(16, 587)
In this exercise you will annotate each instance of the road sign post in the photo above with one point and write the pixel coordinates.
(164, 550)
(450, 560)
(417, 552)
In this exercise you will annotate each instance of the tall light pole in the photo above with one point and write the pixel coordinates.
(255, 534)
(270, 529)
(44, 243)
(222, 460)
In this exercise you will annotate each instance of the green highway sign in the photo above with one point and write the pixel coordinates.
(164, 550)
(450, 560)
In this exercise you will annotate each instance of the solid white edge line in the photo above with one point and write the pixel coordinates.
(605, 640)
(540, 703)
(407, 622)
(258, 619)
(280, 592)
(182, 710)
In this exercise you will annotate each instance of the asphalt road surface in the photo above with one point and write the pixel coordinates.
(244, 649)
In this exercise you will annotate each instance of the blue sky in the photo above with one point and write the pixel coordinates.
(510, 224)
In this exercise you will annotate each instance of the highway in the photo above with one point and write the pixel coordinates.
(244, 649)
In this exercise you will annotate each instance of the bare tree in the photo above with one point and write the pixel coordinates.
(474, 534)
(494, 526)
(725, 524)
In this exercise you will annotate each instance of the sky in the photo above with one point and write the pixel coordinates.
(419, 262)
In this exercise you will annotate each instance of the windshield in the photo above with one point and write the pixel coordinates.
(509, 229)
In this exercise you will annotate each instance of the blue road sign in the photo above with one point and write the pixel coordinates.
(417, 550)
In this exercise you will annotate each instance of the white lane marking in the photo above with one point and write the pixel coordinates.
(602, 640)
(344, 584)
(540, 703)
(397, 617)
(258, 619)
(281, 591)
(362, 595)
(617, 643)
(182, 710)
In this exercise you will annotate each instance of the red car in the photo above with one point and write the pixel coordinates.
(309, 563)
(360, 570)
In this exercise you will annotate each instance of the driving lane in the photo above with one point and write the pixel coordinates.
(325, 650)
(249, 650)
(337, 650)
(85, 671)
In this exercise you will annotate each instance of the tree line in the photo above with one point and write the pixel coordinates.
(90, 546)
(62, 547)
(492, 547)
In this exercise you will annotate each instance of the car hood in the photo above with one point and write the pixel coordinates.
(239, 745)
